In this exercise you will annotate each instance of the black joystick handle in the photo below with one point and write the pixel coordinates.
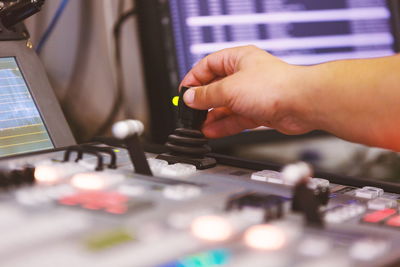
(188, 144)
(188, 117)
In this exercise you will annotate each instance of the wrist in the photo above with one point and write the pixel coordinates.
(305, 85)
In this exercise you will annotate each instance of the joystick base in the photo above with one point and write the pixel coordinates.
(200, 163)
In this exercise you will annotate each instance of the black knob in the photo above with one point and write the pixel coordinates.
(188, 117)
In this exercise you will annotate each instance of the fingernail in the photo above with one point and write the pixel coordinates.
(188, 97)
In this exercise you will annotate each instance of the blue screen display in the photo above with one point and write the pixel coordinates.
(302, 32)
(21, 127)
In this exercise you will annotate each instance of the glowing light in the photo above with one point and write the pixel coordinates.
(265, 237)
(211, 258)
(47, 174)
(211, 228)
(88, 181)
(117, 150)
(175, 101)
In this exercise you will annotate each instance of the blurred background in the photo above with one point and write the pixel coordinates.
(114, 59)
(79, 57)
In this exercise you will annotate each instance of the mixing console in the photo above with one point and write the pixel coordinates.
(65, 213)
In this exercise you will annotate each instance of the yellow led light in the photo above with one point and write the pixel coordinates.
(175, 101)
(117, 150)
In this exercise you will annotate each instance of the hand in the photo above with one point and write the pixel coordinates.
(247, 87)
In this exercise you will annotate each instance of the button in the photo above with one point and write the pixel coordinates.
(318, 182)
(181, 192)
(95, 180)
(265, 237)
(314, 247)
(111, 202)
(382, 203)
(368, 249)
(131, 190)
(394, 221)
(178, 170)
(344, 213)
(156, 165)
(369, 192)
(378, 216)
(48, 173)
(267, 176)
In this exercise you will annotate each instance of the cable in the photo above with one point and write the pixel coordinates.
(52, 25)
(119, 94)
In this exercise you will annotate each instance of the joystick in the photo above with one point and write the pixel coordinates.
(304, 200)
(129, 132)
(187, 144)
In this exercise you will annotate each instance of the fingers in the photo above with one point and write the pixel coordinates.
(217, 114)
(213, 66)
(230, 125)
(213, 95)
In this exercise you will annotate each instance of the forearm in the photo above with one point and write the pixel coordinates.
(358, 100)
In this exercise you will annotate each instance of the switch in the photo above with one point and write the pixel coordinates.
(342, 214)
(181, 192)
(156, 165)
(178, 170)
(381, 203)
(378, 216)
(129, 131)
(318, 182)
(394, 221)
(268, 176)
(368, 249)
(272, 205)
(95, 180)
(369, 192)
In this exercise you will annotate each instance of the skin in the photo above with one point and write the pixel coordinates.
(246, 87)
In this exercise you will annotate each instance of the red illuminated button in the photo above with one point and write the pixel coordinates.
(378, 216)
(111, 202)
(394, 221)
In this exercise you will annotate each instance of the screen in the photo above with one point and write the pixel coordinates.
(21, 127)
(302, 32)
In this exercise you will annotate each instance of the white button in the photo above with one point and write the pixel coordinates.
(181, 192)
(344, 213)
(131, 190)
(156, 165)
(265, 175)
(178, 170)
(318, 182)
(382, 203)
(48, 173)
(314, 247)
(368, 249)
(369, 192)
(96, 180)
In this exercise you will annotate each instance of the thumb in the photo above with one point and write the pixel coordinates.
(213, 95)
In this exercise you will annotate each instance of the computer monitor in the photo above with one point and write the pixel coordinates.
(302, 32)
(31, 119)
(176, 34)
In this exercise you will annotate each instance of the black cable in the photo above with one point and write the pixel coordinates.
(118, 102)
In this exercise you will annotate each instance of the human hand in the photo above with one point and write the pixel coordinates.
(247, 87)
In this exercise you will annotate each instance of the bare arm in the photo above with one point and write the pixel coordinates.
(357, 100)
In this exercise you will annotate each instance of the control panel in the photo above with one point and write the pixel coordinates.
(87, 206)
